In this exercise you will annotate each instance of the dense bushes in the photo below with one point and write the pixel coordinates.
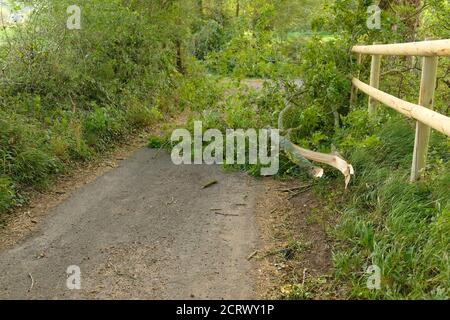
(67, 95)
(7, 194)
(210, 38)
(383, 219)
(247, 55)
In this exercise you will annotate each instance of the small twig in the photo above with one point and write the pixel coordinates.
(250, 257)
(294, 188)
(74, 106)
(304, 276)
(298, 193)
(32, 282)
(227, 214)
(209, 184)
(400, 70)
(289, 131)
(272, 253)
(171, 201)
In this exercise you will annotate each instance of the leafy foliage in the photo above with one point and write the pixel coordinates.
(68, 95)
(384, 220)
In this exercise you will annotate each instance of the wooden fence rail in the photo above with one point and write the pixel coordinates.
(422, 112)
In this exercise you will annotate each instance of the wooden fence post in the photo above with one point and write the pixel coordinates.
(374, 80)
(427, 88)
(354, 92)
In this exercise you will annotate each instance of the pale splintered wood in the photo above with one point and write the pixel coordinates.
(302, 157)
(426, 99)
(429, 117)
(424, 49)
(374, 80)
(297, 154)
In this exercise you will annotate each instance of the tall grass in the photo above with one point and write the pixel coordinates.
(402, 227)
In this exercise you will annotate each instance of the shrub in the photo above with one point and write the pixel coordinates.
(7, 194)
(67, 95)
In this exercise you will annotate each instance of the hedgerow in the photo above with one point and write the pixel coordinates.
(69, 95)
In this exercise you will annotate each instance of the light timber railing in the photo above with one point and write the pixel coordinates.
(423, 111)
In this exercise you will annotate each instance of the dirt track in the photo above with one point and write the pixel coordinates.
(145, 230)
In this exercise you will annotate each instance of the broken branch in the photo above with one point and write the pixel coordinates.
(301, 156)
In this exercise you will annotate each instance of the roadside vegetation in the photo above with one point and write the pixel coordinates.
(68, 95)
(382, 219)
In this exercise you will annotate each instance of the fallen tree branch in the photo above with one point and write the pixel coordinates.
(302, 157)
(296, 157)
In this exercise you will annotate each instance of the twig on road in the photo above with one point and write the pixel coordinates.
(32, 282)
(250, 257)
(209, 184)
(227, 214)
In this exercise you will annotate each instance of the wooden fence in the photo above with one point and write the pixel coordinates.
(423, 111)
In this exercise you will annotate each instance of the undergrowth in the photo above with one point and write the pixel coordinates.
(68, 96)
(385, 220)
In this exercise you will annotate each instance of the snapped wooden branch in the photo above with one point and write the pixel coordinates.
(302, 157)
